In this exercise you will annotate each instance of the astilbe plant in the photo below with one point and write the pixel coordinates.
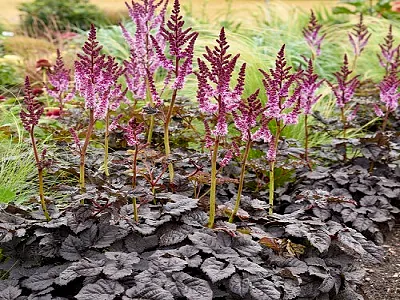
(390, 55)
(389, 96)
(309, 87)
(343, 91)
(30, 117)
(218, 100)
(246, 119)
(146, 58)
(181, 47)
(96, 81)
(312, 36)
(283, 92)
(59, 78)
(359, 39)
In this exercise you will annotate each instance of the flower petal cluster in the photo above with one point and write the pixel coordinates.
(59, 78)
(181, 45)
(312, 34)
(247, 115)
(359, 37)
(96, 78)
(389, 91)
(146, 50)
(278, 83)
(132, 132)
(33, 108)
(214, 93)
(309, 86)
(390, 55)
(346, 86)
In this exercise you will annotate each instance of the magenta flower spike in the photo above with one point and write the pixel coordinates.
(309, 87)
(312, 35)
(359, 39)
(218, 100)
(59, 79)
(346, 86)
(389, 96)
(390, 55)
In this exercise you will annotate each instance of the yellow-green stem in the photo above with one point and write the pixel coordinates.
(213, 188)
(241, 181)
(41, 195)
(40, 175)
(271, 187)
(306, 142)
(344, 122)
(134, 162)
(106, 135)
(149, 100)
(83, 152)
(166, 135)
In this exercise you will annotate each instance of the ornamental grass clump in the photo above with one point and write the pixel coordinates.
(283, 91)
(246, 119)
(145, 58)
(218, 100)
(96, 79)
(30, 116)
(181, 47)
(343, 91)
(59, 78)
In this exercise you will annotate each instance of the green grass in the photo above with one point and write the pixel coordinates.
(17, 170)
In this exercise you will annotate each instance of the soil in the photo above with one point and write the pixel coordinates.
(383, 281)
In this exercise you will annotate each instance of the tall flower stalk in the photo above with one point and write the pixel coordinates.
(309, 86)
(358, 39)
(217, 100)
(283, 107)
(312, 36)
(96, 81)
(30, 118)
(181, 47)
(144, 60)
(344, 90)
(245, 119)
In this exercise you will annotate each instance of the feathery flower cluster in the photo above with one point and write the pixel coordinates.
(132, 132)
(390, 55)
(34, 109)
(245, 117)
(359, 38)
(282, 106)
(96, 78)
(214, 83)
(311, 34)
(181, 45)
(146, 56)
(389, 93)
(309, 85)
(345, 87)
(59, 78)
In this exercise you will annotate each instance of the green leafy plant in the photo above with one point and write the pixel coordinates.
(59, 15)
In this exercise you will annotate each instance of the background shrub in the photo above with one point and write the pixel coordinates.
(59, 15)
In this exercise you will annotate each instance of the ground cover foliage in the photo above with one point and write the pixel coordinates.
(160, 197)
